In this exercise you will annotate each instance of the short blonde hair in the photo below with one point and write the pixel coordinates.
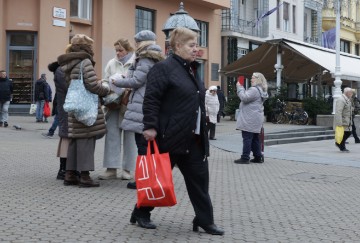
(124, 43)
(181, 35)
(260, 80)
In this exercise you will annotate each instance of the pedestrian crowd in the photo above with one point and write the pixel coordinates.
(144, 97)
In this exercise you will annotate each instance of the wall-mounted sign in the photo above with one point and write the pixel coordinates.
(59, 13)
(58, 22)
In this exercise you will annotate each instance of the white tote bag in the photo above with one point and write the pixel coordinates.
(81, 102)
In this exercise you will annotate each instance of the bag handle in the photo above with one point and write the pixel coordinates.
(81, 71)
(156, 149)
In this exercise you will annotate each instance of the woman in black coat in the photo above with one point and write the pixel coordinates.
(174, 109)
(61, 89)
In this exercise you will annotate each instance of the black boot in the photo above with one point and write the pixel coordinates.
(62, 169)
(142, 219)
(257, 159)
(210, 229)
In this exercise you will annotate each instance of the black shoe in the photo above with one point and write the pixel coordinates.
(1, 124)
(61, 175)
(131, 185)
(337, 145)
(6, 124)
(242, 161)
(212, 138)
(257, 159)
(345, 150)
(145, 223)
(210, 229)
(357, 141)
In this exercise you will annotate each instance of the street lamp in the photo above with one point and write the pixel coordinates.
(180, 19)
(337, 82)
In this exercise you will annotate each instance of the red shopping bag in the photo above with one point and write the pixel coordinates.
(47, 111)
(153, 175)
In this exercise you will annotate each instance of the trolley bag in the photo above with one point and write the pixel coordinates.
(153, 176)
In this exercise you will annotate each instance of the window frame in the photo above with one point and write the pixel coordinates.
(203, 39)
(83, 13)
(152, 13)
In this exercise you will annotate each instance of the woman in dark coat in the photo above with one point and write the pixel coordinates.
(61, 116)
(174, 109)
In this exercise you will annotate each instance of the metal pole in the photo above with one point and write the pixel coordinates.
(337, 82)
(278, 67)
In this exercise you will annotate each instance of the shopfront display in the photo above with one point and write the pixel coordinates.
(21, 67)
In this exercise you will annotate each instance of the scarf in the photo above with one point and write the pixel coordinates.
(125, 58)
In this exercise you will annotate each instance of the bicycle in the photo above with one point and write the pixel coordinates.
(296, 116)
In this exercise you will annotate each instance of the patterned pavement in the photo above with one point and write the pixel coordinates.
(285, 199)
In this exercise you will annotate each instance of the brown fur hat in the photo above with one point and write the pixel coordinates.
(81, 39)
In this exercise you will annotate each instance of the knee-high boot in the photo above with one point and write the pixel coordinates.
(62, 169)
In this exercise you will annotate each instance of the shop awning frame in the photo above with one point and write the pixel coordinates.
(300, 61)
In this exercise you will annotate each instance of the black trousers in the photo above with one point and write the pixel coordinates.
(195, 170)
(346, 136)
(211, 128)
(353, 131)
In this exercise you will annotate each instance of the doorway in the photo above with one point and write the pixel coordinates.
(21, 64)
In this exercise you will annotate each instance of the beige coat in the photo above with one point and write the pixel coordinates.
(70, 64)
(343, 113)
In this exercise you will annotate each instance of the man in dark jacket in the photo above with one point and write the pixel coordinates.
(222, 102)
(6, 89)
(40, 96)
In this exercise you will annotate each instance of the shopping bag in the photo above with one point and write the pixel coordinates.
(47, 111)
(32, 109)
(81, 102)
(153, 175)
(339, 134)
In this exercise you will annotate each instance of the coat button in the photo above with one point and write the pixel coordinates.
(187, 151)
(193, 131)
(197, 111)
(198, 91)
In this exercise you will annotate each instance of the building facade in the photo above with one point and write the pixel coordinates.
(248, 24)
(34, 32)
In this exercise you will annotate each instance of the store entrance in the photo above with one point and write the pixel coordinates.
(21, 60)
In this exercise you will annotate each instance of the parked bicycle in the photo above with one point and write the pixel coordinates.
(296, 116)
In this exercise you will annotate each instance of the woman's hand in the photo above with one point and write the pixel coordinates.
(150, 134)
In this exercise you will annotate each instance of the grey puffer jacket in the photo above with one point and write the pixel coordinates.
(343, 113)
(251, 115)
(70, 64)
(137, 79)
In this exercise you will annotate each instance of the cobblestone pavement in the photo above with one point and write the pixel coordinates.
(278, 201)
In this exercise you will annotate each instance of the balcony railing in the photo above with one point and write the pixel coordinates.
(312, 40)
(243, 26)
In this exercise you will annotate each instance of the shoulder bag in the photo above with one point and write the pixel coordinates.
(81, 102)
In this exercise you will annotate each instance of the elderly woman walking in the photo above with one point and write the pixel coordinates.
(251, 117)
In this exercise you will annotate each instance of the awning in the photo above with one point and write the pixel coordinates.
(301, 61)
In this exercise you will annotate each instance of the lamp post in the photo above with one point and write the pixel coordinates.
(337, 82)
(180, 19)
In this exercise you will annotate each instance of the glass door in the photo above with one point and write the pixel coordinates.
(21, 66)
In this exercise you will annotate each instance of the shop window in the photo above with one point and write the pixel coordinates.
(203, 35)
(21, 62)
(81, 9)
(144, 19)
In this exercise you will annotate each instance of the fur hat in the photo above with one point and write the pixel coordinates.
(213, 88)
(145, 35)
(81, 39)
